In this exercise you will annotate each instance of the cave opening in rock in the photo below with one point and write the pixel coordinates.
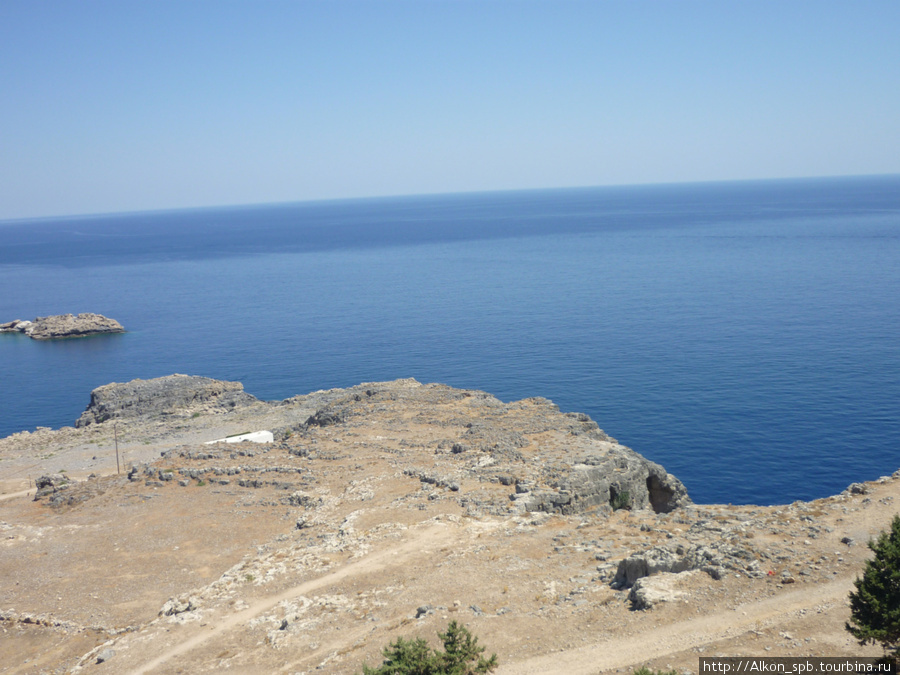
(662, 497)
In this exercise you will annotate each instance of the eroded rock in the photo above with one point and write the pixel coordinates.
(179, 605)
(650, 591)
(662, 560)
(163, 396)
(618, 478)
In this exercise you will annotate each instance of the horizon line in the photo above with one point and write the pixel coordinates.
(327, 200)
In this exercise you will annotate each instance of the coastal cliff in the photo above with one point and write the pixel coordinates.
(162, 396)
(542, 459)
(62, 326)
(384, 510)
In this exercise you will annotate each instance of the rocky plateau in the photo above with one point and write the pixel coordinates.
(385, 510)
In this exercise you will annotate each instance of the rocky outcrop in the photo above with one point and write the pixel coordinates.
(49, 483)
(662, 559)
(163, 396)
(64, 326)
(715, 557)
(549, 461)
(518, 457)
(650, 591)
(17, 326)
(618, 478)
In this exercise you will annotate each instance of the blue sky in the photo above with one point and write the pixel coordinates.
(126, 105)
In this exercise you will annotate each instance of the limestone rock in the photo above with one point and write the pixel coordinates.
(50, 484)
(105, 655)
(553, 462)
(64, 326)
(17, 326)
(662, 560)
(163, 396)
(542, 460)
(50, 480)
(650, 591)
(179, 605)
(619, 478)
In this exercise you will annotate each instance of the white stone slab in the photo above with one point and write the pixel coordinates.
(253, 437)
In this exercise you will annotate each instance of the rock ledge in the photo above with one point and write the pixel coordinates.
(161, 397)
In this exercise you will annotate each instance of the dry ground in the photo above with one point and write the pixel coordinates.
(319, 560)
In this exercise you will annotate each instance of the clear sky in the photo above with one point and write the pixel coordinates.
(127, 105)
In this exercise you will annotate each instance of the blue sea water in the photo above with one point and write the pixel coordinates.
(744, 335)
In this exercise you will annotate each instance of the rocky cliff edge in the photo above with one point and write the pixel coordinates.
(525, 456)
(162, 396)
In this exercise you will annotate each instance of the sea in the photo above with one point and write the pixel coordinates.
(745, 335)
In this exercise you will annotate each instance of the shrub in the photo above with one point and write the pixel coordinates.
(646, 671)
(875, 605)
(621, 500)
(461, 656)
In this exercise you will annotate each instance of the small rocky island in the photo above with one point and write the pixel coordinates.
(63, 326)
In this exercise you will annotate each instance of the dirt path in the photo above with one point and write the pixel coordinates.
(13, 495)
(673, 638)
(79, 476)
(421, 543)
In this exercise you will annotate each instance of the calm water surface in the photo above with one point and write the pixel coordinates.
(744, 335)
